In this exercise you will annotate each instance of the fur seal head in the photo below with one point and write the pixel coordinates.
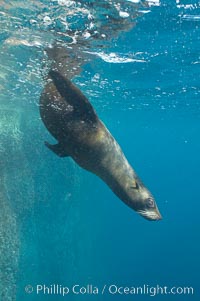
(143, 202)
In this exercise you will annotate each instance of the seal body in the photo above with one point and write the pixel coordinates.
(71, 119)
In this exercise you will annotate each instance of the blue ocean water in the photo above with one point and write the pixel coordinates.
(138, 64)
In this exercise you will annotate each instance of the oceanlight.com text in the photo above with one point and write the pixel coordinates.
(150, 290)
(107, 289)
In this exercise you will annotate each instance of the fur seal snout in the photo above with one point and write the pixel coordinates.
(71, 119)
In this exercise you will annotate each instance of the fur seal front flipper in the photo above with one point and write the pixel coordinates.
(58, 149)
(71, 119)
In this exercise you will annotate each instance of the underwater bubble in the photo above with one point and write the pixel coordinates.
(47, 20)
(86, 35)
(66, 3)
(123, 14)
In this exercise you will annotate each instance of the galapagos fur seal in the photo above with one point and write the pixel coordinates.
(72, 121)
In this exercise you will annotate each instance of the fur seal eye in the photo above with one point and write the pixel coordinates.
(150, 203)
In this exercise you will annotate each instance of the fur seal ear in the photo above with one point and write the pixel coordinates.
(58, 149)
(134, 185)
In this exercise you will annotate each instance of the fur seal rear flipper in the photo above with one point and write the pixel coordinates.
(71, 119)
